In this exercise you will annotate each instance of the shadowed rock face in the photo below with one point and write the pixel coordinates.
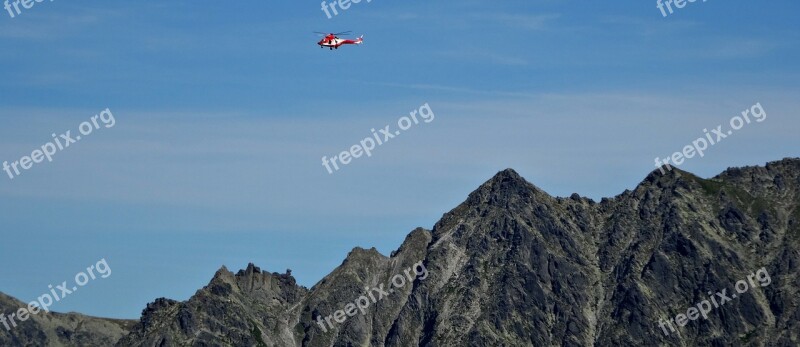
(57, 329)
(514, 266)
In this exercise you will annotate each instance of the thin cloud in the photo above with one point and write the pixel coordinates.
(520, 21)
(452, 89)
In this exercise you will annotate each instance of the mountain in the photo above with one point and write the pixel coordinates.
(58, 329)
(514, 266)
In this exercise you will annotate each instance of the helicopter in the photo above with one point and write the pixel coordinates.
(332, 40)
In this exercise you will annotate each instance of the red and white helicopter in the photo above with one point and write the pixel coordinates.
(332, 40)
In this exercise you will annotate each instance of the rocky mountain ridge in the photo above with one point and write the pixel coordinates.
(59, 329)
(514, 266)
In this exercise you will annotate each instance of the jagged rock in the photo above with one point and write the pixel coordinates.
(58, 329)
(514, 266)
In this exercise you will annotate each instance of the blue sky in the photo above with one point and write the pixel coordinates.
(223, 112)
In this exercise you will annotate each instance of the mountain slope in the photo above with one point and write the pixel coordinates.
(58, 329)
(514, 266)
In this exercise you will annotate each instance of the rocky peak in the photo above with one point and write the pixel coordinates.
(505, 193)
(251, 269)
(514, 266)
(504, 188)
